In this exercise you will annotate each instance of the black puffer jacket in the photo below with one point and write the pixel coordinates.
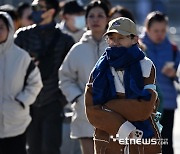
(49, 46)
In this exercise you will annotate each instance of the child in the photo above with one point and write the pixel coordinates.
(166, 57)
(120, 96)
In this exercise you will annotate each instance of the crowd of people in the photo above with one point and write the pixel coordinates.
(73, 76)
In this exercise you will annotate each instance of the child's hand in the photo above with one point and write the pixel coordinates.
(169, 70)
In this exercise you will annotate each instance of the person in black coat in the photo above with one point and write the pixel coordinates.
(48, 46)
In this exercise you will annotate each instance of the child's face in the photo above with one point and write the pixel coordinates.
(3, 31)
(157, 32)
(118, 40)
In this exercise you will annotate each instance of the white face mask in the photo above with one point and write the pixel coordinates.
(79, 22)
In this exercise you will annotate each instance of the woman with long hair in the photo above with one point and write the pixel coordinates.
(75, 70)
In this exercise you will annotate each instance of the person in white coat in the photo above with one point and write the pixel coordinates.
(76, 68)
(20, 83)
(177, 79)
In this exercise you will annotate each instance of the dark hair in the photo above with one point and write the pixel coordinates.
(5, 20)
(96, 3)
(10, 10)
(21, 7)
(123, 11)
(155, 16)
(108, 3)
(53, 4)
(72, 7)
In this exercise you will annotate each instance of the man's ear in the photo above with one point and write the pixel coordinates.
(48, 13)
(51, 11)
(135, 39)
(66, 16)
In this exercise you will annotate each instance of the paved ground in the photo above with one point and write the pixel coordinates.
(177, 130)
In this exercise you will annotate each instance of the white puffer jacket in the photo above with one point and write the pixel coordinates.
(16, 93)
(74, 74)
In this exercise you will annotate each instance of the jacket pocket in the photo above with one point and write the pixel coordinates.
(14, 109)
(79, 108)
(20, 103)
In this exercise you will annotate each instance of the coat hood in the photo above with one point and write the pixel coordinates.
(8, 43)
(86, 36)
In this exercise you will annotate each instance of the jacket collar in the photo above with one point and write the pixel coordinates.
(47, 26)
(87, 37)
(146, 39)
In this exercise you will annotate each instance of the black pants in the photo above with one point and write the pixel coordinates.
(45, 131)
(13, 145)
(167, 132)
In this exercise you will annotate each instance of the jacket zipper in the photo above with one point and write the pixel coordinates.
(3, 88)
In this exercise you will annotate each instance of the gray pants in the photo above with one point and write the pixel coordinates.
(69, 146)
(45, 131)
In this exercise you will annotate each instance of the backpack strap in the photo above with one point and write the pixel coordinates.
(30, 68)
